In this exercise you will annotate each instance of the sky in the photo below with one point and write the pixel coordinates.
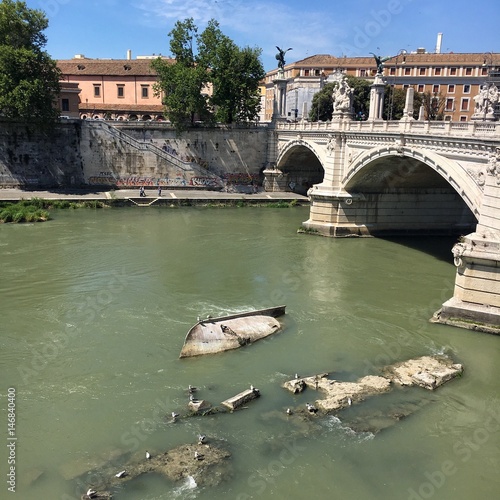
(108, 28)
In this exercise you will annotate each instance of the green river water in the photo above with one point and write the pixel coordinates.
(94, 308)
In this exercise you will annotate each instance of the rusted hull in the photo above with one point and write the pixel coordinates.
(230, 332)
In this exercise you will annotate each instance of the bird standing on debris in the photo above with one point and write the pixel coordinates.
(91, 493)
(288, 411)
(122, 473)
(198, 456)
(201, 439)
(148, 455)
(311, 408)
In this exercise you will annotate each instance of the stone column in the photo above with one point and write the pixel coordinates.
(280, 96)
(408, 111)
(376, 99)
(476, 298)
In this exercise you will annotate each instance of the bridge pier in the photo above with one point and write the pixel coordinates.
(475, 304)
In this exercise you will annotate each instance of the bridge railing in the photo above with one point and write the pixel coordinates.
(462, 129)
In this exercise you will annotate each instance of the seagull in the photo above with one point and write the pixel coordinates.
(349, 401)
(192, 399)
(91, 493)
(148, 455)
(174, 415)
(288, 411)
(192, 389)
(209, 317)
(198, 456)
(122, 473)
(296, 375)
(201, 438)
(311, 408)
(198, 319)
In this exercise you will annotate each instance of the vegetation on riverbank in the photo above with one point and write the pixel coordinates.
(36, 209)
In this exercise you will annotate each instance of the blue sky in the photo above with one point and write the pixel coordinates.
(107, 28)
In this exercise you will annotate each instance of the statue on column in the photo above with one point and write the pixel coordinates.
(280, 56)
(485, 102)
(380, 62)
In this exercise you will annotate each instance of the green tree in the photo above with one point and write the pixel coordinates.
(29, 78)
(322, 102)
(394, 103)
(182, 82)
(217, 82)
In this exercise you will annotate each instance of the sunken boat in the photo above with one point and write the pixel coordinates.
(213, 335)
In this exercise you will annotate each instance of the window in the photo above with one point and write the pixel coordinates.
(64, 104)
(97, 91)
(421, 71)
(447, 118)
(421, 88)
(463, 118)
(437, 71)
(316, 72)
(484, 71)
(407, 71)
(392, 71)
(449, 104)
(466, 89)
(120, 90)
(453, 71)
(465, 104)
(435, 89)
(144, 91)
(406, 87)
(451, 89)
(468, 71)
(306, 72)
(362, 73)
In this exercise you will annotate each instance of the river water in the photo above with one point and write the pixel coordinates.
(94, 309)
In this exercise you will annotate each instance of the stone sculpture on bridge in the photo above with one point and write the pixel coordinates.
(485, 103)
(280, 56)
(379, 60)
(342, 99)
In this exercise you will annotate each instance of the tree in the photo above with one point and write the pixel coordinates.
(29, 78)
(181, 83)
(229, 77)
(394, 103)
(322, 103)
(433, 104)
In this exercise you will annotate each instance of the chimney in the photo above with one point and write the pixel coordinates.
(129, 55)
(438, 43)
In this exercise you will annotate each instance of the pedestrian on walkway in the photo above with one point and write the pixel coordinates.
(159, 190)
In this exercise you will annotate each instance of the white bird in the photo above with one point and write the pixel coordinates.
(174, 415)
(201, 438)
(209, 317)
(198, 318)
(192, 389)
(311, 408)
(122, 473)
(296, 375)
(148, 455)
(192, 399)
(91, 492)
(349, 401)
(288, 411)
(198, 456)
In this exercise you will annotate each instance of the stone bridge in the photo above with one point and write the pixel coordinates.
(378, 177)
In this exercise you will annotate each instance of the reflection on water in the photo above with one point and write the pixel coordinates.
(95, 307)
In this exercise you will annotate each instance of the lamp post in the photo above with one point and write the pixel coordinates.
(402, 52)
(487, 63)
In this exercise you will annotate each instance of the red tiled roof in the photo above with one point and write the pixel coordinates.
(108, 67)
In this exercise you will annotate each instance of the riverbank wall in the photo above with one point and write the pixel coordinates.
(117, 155)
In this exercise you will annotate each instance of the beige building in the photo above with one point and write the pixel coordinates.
(456, 77)
(120, 89)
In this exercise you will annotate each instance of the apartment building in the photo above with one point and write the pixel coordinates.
(119, 89)
(456, 77)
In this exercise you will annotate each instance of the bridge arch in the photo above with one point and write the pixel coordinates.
(411, 168)
(301, 161)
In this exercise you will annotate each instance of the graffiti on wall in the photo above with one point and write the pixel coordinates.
(241, 178)
(204, 182)
(108, 179)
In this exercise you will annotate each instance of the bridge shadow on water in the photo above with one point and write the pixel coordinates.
(439, 246)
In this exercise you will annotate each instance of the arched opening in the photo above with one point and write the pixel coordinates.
(400, 194)
(133, 118)
(302, 167)
(146, 118)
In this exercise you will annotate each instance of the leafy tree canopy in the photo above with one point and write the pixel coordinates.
(29, 78)
(212, 79)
